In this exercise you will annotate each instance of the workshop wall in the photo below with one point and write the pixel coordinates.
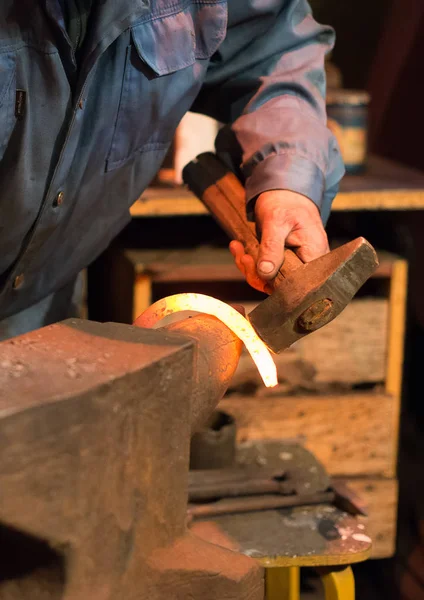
(358, 25)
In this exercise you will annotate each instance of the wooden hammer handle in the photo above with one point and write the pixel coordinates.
(226, 202)
(224, 196)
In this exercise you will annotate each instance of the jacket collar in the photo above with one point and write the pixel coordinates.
(109, 19)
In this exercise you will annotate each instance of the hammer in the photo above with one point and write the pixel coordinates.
(305, 296)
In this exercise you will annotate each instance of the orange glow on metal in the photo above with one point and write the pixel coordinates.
(225, 313)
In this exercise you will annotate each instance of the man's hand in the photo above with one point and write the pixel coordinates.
(284, 218)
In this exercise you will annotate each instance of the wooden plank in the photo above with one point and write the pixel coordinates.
(167, 203)
(351, 434)
(172, 203)
(384, 175)
(199, 264)
(350, 350)
(393, 200)
(205, 263)
(381, 497)
(395, 354)
(385, 186)
(142, 297)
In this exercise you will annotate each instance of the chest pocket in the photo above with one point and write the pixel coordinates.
(7, 98)
(165, 67)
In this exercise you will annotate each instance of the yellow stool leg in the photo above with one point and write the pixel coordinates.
(339, 585)
(283, 583)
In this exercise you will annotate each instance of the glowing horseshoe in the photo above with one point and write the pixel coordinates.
(225, 313)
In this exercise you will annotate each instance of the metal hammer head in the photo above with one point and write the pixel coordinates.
(313, 294)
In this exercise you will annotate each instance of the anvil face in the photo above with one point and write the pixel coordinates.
(95, 427)
(94, 445)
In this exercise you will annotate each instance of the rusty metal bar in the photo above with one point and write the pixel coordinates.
(254, 503)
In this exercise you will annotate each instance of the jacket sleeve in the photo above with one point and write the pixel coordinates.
(268, 81)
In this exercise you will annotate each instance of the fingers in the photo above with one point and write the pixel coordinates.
(285, 219)
(252, 276)
(308, 247)
(237, 250)
(288, 219)
(247, 266)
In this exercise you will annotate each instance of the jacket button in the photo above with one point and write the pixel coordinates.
(18, 281)
(59, 199)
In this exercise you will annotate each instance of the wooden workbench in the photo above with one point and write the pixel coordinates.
(385, 186)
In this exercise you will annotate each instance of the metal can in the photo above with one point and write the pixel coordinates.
(347, 117)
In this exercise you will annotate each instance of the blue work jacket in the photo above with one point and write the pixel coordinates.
(81, 139)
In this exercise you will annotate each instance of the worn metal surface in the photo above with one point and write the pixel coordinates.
(95, 426)
(304, 473)
(346, 499)
(310, 536)
(304, 296)
(314, 316)
(249, 504)
(251, 488)
(217, 351)
(227, 483)
(332, 279)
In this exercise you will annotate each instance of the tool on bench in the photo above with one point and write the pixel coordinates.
(305, 296)
(306, 519)
(229, 506)
(216, 492)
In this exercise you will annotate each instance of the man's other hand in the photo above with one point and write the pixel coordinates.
(285, 219)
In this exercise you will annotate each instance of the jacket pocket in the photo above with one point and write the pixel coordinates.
(165, 67)
(7, 98)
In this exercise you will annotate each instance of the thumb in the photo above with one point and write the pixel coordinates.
(271, 251)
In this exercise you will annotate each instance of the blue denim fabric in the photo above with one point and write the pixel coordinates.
(66, 303)
(97, 131)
